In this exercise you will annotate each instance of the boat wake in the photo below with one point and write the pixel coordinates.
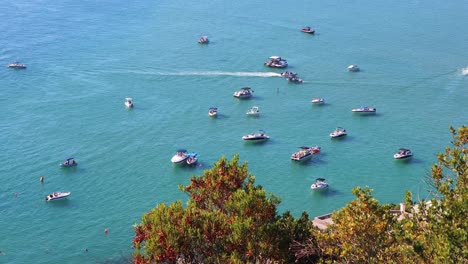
(222, 73)
(205, 73)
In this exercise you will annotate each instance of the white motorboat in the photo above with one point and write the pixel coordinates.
(260, 136)
(192, 158)
(364, 110)
(353, 68)
(17, 65)
(307, 30)
(213, 111)
(244, 92)
(129, 102)
(305, 153)
(317, 100)
(403, 154)
(276, 62)
(57, 196)
(319, 184)
(295, 79)
(180, 157)
(253, 111)
(70, 162)
(339, 132)
(203, 40)
(288, 74)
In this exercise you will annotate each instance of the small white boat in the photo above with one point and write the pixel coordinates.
(192, 158)
(70, 162)
(213, 111)
(308, 30)
(260, 136)
(353, 68)
(17, 65)
(203, 40)
(129, 102)
(364, 110)
(403, 154)
(317, 100)
(295, 79)
(319, 184)
(57, 196)
(339, 132)
(244, 93)
(180, 157)
(276, 62)
(288, 74)
(305, 153)
(253, 111)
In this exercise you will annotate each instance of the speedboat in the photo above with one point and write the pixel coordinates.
(243, 93)
(403, 154)
(70, 162)
(192, 158)
(213, 111)
(57, 196)
(203, 40)
(295, 79)
(317, 100)
(308, 30)
(353, 68)
(364, 110)
(276, 62)
(305, 153)
(260, 136)
(288, 74)
(319, 184)
(17, 65)
(129, 102)
(339, 132)
(180, 157)
(253, 111)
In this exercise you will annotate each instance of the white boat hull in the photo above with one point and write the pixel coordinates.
(319, 186)
(178, 160)
(397, 156)
(57, 196)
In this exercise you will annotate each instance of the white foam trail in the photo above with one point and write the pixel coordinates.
(208, 73)
(464, 71)
(221, 73)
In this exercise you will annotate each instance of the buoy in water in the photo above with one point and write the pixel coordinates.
(106, 231)
(41, 178)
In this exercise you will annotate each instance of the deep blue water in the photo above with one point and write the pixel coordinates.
(85, 57)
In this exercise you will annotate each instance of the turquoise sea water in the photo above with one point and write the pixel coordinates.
(85, 57)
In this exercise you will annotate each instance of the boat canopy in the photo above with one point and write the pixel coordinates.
(304, 147)
(404, 149)
(213, 108)
(320, 179)
(275, 58)
(246, 88)
(70, 159)
(181, 150)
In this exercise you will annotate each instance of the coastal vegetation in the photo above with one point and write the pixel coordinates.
(229, 219)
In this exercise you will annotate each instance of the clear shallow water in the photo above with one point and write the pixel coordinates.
(85, 58)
